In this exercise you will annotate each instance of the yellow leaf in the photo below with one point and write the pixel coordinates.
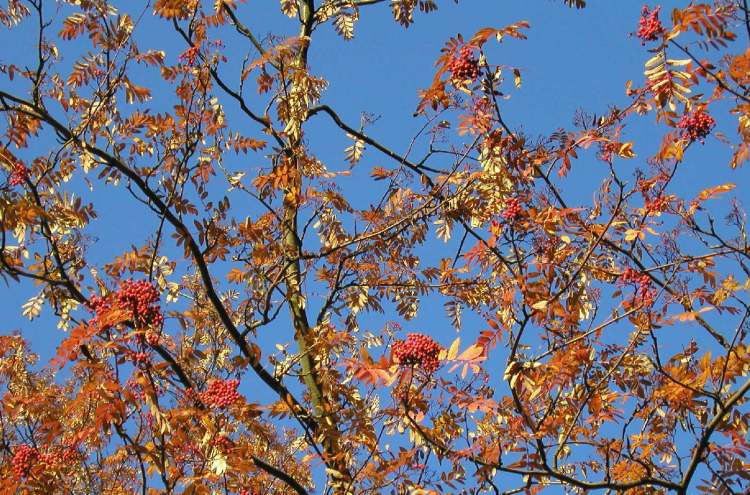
(540, 305)
(631, 234)
(626, 150)
(684, 61)
(219, 464)
(659, 57)
(453, 350)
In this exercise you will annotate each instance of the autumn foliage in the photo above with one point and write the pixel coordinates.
(476, 309)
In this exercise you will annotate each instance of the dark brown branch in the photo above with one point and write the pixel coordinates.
(697, 457)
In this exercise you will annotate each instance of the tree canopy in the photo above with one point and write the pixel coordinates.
(260, 326)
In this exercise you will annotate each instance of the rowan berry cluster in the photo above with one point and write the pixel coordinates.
(657, 205)
(60, 457)
(644, 291)
(150, 420)
(696, 125)
(18, 175)
(632, 276)
(512, 210)
(645, 185)
(142, 358)
(223, 443)
(607, 151)
(418, 350)
(464, 65)
(140, 298)
(221, 393)
(649, 25)
(189, 56)
(25, 457)
(152, 338)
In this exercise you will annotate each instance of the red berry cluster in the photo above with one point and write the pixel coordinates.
(190, 396)
(100, 305)
(152, 338)
(135, 388)
(607, 151)
(223, 443)
(221, 393)
(18, 175)
(463, 65)
(657, 204)
(649, 25)
(25, 457)
(141, 358)
(140, 298)
(150, 420)
(644, 289)
(418, 350)
(696, 125)
(61, 457)
(189, 56)
(512, 210)
(645, 185)
(632, 276)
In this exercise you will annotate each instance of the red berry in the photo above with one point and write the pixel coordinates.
(512, 210)
(223, 443)
(657, 204)
(221, 393)
(189, 56)
(25, 458)
(644, 291)
(418, 350)
(696, 125)
(139, 298)
(649, 25)
(463, 65)
(152, 338)
(140, 358)
(18, 175)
